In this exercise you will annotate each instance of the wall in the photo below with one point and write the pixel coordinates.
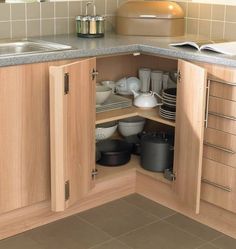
(36, 19)
(217, 21)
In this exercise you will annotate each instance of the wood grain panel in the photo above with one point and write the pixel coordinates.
(24, 135)
(219, 156)
(190, 114)
(72, 131)
(117, 67)
(224, 91)
(220, 188)
(220, 138)
(222, 124)
(222, 106)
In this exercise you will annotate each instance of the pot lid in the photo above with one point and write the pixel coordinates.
(150, 9)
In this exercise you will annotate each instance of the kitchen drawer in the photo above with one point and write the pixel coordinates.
(222, 124)
(219, 156)
(222, 107)
(220, 140)
(219, 184)
(223, 90)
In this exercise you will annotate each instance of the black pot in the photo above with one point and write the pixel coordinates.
(135, 142)
(113, 152)
(157, 152)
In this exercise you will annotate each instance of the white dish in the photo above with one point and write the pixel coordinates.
(131, 126)
(104, 131)
(102, 94)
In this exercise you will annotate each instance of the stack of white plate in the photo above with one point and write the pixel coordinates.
(168, 109)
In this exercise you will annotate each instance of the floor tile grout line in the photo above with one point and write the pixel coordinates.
(136, 229)
(179, 228)
(102, 243)
(148, 211)
(94, 226)
(141, 209)
(216, 238)
(199, 247)
(115, 237)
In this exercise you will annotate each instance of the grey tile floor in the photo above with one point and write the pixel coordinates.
(133, 222)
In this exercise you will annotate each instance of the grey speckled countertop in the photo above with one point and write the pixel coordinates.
(115, 44)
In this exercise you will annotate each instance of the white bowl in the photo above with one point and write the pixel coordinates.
(102, 94)
(104, 131)
(131, 126)
(109, 83)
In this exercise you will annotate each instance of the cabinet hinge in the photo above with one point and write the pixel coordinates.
(67, 190)
(94, 74)
(94, 173)
(66, 83)
(178, 76)
(169, 175)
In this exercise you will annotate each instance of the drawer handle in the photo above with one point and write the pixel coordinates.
(222, 116)
(222, 82)
(225, 188)
(207, 102)
(219, 148)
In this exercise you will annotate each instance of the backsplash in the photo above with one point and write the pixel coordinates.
(48, 18)
(217, 21)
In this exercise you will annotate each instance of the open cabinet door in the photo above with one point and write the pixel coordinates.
(72, 128)
(189, 132)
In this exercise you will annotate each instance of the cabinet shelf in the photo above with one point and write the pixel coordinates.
(106, 173)
(151, 114)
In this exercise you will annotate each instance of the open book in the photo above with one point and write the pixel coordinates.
(228, 48)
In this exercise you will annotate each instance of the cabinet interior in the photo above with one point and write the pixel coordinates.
(114, 68)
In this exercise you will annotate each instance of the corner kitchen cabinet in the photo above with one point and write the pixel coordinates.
(73, 119)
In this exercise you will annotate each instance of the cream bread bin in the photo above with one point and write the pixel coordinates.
(150, 18)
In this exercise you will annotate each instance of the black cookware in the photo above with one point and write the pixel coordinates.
(114, 152)
(157, 152)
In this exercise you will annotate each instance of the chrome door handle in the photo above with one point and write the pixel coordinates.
(207, 102)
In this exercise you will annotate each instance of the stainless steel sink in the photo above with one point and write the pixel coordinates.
(19, 47)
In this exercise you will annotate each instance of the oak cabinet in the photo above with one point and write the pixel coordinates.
(48, 132)
(73, 122)
(219, 160)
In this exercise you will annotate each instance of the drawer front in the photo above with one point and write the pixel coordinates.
(223, 90)
(217, 174)
(219, 156)
(222, 107)
(220, 140)
(219, 184)
(222, 124)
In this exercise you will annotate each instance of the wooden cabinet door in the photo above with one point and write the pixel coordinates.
(72, 127)
(189, 132)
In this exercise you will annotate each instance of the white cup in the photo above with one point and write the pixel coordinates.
(145, 76)
(156, 80)
(165, 80)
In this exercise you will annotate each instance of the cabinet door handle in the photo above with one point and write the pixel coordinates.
(225, 188)
(207, 102)
(222, 116)
(222, 82)
(219, 148)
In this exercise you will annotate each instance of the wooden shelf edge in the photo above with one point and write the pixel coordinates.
(107, 173)
(151, 114)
